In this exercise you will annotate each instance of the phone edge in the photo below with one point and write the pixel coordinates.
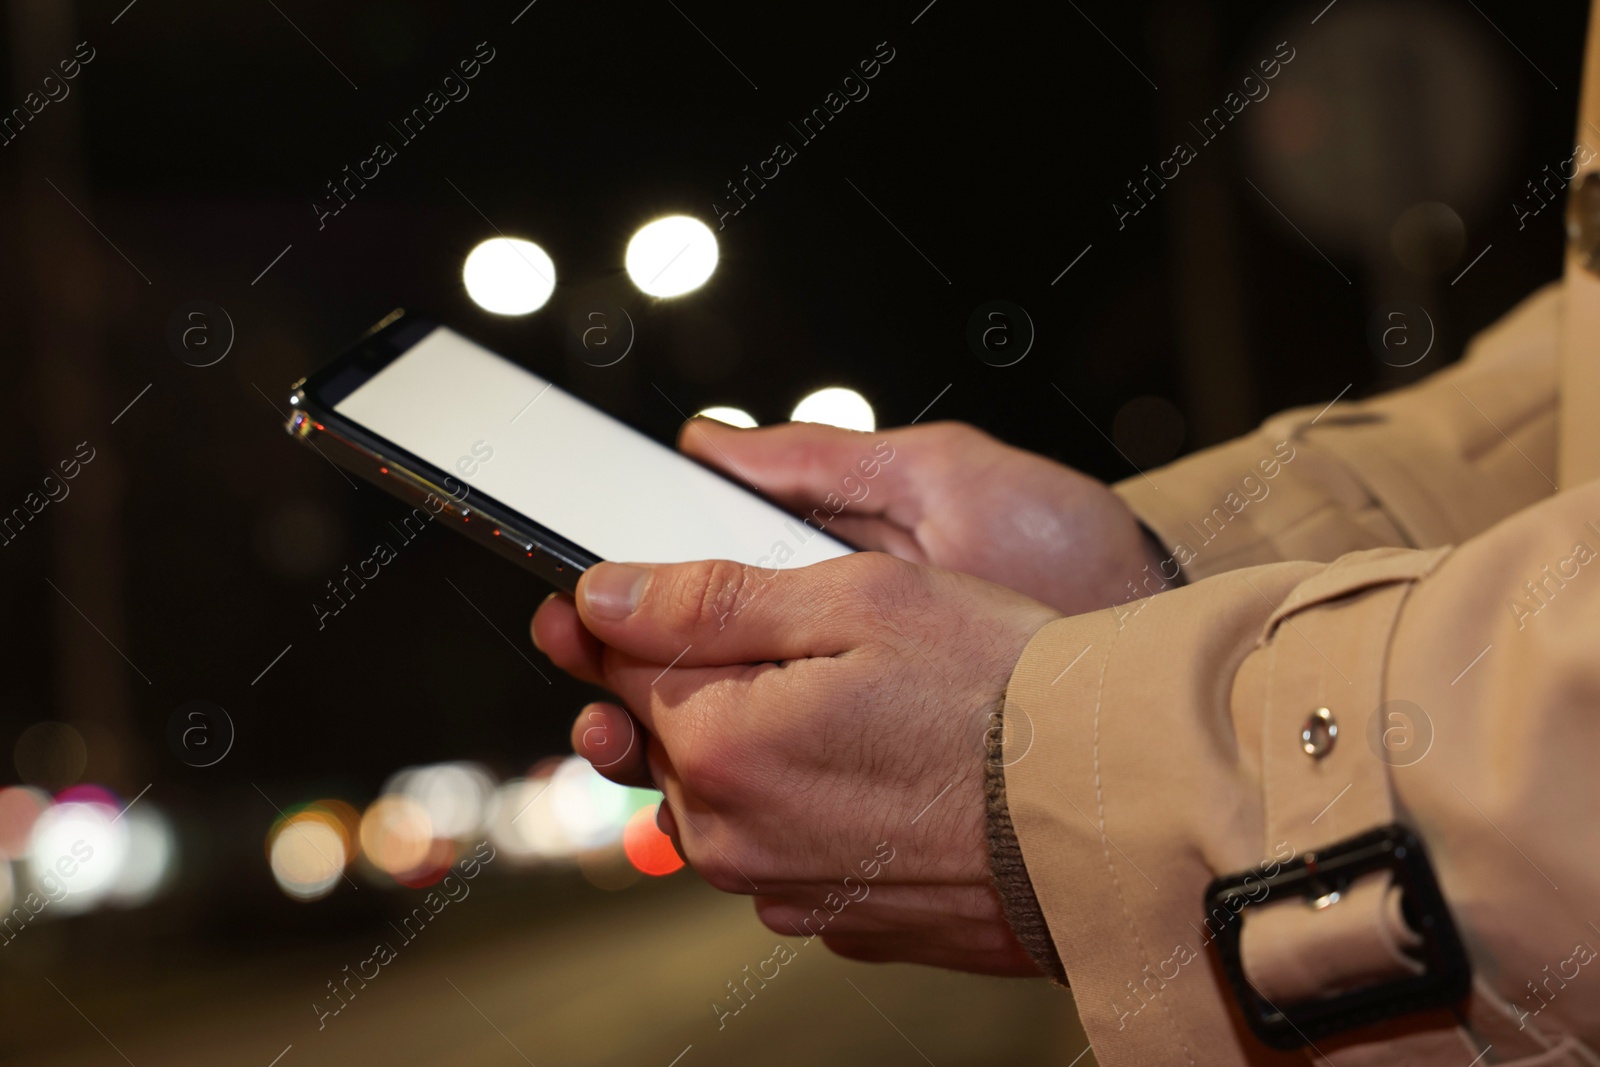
(485, 520)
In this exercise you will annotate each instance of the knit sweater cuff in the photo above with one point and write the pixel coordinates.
(1011, 880)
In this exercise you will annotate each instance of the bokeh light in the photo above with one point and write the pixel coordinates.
(1428, 238)
(396, 834)
(607, 869)
(20, 808)
(647, 847)
(148, 861)
(1149, 430)
(507, 811)
(89, 793)
(522, 823)
(455, 795)
(836, 406)
(76, 853)
(344, 818)
(433, 866)
(732, 416)
(307, 854)
(509, 276)
(591, 810)
(563, 812)
(672, 256)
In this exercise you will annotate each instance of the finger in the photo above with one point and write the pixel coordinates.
(687, 714)
(1006, 960)
(799, 464)
(703, 840)
(875, 534)
(883, 923)
(961, 913)
(836, 480)
(613, 742)
(715, 612)
(674, 702)
(559, 633)
(669, 826)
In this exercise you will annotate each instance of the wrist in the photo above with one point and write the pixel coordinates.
(1140, 566)
(1018, 901)
(1157, 558)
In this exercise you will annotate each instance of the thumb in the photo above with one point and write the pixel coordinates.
(713, 613)
(798, 464)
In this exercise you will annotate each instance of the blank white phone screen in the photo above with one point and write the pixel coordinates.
(506, 432)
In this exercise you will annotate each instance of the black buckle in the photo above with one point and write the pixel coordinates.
(1446, 977)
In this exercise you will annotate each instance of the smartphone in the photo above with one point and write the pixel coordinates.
(526, 468)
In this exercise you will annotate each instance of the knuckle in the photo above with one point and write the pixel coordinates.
(954, 436)
(697, 769)
(877, 574)
(706, 769)
(711, 592)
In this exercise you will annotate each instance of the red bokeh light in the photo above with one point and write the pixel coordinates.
(441, 854)
(647, 847)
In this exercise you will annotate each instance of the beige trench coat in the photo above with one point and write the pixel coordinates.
(1426, 567)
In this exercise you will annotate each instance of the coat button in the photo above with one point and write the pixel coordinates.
(1319, 733)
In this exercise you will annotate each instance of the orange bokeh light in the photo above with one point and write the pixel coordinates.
(396, 834)
(347, 818)
(647, 847)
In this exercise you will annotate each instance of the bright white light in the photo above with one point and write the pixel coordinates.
(591, 810)
(836, 406)
(151, 844)
(76, 854)
(522, 822)
(671, 256)
(509, 803)
(509, 276)
(453, 794)
(731, 416)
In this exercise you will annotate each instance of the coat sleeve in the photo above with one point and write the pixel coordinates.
(1146, 752)
(1428, 465)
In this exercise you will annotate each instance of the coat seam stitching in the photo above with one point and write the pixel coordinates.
(1100, 813)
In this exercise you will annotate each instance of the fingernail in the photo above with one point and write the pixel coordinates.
(611, 591)
(533, 634)
(711, 422)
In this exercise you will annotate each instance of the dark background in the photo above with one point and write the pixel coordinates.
(984, 161)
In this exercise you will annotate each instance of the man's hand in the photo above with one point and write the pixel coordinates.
(951, 496)
(804, 724)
